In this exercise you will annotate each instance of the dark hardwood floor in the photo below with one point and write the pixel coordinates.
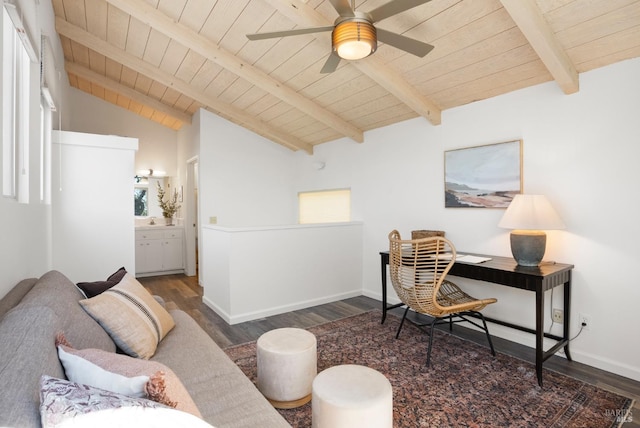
(183, 292)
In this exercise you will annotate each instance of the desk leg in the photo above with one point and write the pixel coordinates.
(539, 333)
(383, 267)
(567, 316)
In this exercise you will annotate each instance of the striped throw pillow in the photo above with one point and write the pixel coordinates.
(131, 316)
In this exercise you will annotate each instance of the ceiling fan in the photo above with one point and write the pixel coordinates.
(353, 34)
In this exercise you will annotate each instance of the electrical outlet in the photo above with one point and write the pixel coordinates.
(558, 315)
(585, 321)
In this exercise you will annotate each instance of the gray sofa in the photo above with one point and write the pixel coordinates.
(35, 310)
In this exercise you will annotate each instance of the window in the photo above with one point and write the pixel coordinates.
(325, 206)
(9, 155)
(15, 111)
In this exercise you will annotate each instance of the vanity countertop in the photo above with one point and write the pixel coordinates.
(157, 227)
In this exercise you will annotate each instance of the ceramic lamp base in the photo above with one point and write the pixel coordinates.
(528, 246)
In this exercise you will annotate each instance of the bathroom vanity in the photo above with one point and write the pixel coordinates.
(159, 250)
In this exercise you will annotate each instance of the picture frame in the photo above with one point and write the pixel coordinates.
(486, 176)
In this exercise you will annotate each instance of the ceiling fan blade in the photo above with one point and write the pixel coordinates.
(285, 33)
(332, 63)
(343, 7)
(394, 7)
(407, 44)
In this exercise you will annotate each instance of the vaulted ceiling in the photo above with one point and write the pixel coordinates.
(165, 59)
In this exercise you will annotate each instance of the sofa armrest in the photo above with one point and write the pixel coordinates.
(15, 295)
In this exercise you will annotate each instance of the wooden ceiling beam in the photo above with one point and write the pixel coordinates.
(189, 38)
(223, 109)
(107, 83)
(529, 19)
(305, 15)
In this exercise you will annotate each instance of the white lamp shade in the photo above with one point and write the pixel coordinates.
(531, 212)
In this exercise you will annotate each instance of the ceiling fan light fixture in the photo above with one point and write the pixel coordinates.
(354, 39)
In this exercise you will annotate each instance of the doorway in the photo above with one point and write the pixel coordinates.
(192, 224)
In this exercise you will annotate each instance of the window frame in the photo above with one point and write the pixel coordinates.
(16, 92)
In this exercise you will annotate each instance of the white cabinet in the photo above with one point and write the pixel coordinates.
(149, 255)
(172, 245)
(159, 251)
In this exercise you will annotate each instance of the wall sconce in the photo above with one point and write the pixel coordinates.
(151, 173)
(529, 216)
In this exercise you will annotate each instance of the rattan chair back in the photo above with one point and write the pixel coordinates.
(418, 268)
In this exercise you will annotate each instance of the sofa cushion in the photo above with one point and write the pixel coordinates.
(57, 292)
(27, 352)
(131, 367)
(223, 394)
(91, 289)
(141, 322)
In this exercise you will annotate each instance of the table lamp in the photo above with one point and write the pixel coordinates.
(529, 216)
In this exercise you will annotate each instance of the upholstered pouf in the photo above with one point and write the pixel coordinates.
(287, 365)
(351, 396)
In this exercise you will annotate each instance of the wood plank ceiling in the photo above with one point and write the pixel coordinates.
(165, 59)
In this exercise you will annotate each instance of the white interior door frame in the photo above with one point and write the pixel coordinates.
(191, 221)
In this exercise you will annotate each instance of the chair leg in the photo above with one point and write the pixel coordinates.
(431, 334)
(402, 322)
(486, 330)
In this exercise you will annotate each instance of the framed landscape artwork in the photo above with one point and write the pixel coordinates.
(483, 176)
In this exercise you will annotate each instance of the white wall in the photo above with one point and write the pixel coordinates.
(261, 271)
(580, 150)
(25, 229)
(245, 180)
(93, 226)
(157, 143)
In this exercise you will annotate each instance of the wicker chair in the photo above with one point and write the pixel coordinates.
(418, 268)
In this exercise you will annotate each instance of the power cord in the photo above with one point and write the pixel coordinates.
(582, 326)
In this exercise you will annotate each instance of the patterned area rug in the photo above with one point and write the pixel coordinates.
(465, 385)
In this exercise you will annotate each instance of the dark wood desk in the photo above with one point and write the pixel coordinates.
(505, 271)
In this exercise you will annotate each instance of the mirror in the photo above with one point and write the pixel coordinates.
(145, 196)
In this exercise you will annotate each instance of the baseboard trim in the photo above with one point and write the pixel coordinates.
(606, 364)
(217, 309)
(267, 312)
(159, 273)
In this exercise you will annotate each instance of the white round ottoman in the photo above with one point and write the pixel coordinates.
(351, 396)
(287, 364)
